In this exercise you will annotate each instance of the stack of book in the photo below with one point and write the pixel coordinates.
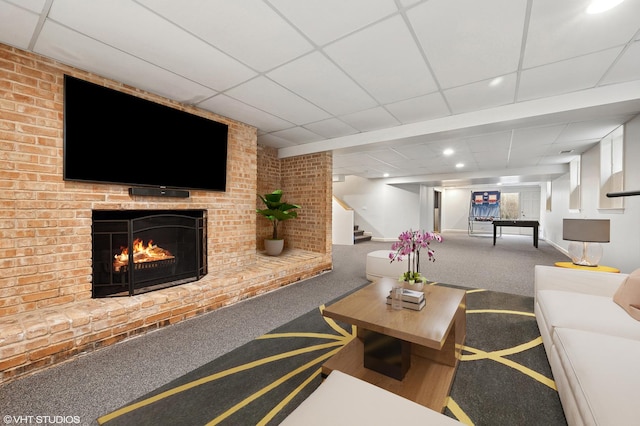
(411, 299)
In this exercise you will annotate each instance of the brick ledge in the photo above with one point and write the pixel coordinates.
(32, 341)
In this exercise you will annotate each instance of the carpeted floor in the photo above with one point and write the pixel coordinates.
(98, 383)
(503, 377)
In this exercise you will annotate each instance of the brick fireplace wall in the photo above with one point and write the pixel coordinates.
(304, 181)
(46, 311)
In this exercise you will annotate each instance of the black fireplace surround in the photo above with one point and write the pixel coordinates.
(169, 248)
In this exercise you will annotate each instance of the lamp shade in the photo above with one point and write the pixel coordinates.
(586, 230)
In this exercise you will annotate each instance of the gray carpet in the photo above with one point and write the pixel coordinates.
(92, 385)
(502, 379)
(473, 261)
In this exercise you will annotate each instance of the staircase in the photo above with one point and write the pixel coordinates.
(358, 235)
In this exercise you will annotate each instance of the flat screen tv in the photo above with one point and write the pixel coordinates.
(117, 138)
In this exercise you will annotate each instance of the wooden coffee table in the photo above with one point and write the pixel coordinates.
(433, 338)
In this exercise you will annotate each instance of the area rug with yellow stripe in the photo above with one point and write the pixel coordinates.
(503, 377)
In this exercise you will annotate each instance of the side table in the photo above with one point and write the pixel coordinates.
(599, 268)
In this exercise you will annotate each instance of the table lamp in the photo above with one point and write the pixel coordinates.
(585, 236)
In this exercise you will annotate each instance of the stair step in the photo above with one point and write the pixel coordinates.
(362, 239)
(358, 235)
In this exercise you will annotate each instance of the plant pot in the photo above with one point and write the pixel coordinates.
(411, 285)
(273, 247)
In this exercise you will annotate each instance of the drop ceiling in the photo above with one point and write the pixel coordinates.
(517, 88)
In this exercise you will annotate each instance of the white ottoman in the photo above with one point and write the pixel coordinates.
(379, 265)
(343, 400)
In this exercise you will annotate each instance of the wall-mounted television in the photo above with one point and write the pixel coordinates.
(117, 138)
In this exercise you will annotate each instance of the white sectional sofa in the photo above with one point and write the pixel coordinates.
(592, 342)
(345, 400)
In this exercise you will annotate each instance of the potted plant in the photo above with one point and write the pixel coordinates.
(409, 244)
(276, 211)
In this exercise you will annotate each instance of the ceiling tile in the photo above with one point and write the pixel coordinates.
(147, 36)
(561, 77)
(524, 161)
(588, 130)
(427, 152)
(345, 160)
(390, 156)
(543, 135)
(385, 60)
(327, 20)
(19, 29)
(459, 146)
(229, 107)
(556, 159)
(407, 3)
(491, 159)
(371, 119)
(362, 161)
(302, 76)
(331, 128)
(468, 40)
(247, 30)
(420, 108)
(274, 141)
(57, 42)
(627, 67)
(482, 95)
(32, 5)
(298, 135)
(524, 151)
(359, 72)
(576, 147)
(560, 30)
(36, 6)
(489, 143)
(266, 95)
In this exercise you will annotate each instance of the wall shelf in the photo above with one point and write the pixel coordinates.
(622, 194)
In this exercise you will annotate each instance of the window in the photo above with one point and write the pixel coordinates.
(510, 206)
(549, 196)
(611, 169)
(574, 184)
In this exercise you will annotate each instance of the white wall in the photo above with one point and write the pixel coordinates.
(455, 208)
(456, 203)
(380, 209)
(623, 252)
(342, 221)
(386, 210)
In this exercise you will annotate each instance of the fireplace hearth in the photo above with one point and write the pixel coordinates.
(136, 251)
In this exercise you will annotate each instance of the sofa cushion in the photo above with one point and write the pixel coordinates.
(586, 312)
(603, 375)
(628, 295)
(577, 280)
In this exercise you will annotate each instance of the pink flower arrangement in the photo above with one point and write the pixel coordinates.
(409, 244)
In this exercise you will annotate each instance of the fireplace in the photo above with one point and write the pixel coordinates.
(136, 251)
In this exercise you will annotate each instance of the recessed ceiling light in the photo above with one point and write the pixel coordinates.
(386, 175)
(448, 151)
(459, 165)
(599, 6)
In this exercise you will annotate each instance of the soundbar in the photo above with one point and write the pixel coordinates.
(159, 192)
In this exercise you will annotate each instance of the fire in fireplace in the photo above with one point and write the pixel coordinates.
(141, 254)
(136, 251)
